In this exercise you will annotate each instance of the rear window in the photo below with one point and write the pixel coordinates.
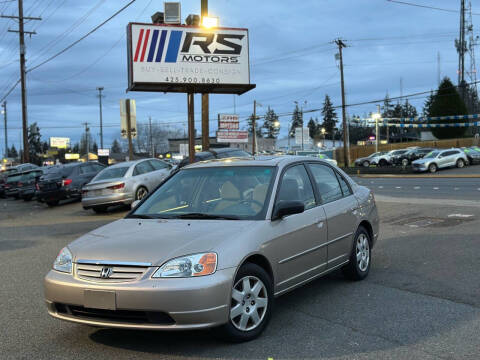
(112, 173)
(61, 171)
(13, 178)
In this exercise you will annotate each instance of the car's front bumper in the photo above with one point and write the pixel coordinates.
(110, 199)
(191, 303)
(419, 167)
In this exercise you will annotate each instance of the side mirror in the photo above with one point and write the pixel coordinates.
(285, 208)
(135, 204)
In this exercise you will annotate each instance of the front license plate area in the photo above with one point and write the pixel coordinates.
(99, 299)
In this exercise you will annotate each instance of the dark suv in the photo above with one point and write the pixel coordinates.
(412, 155)
(27, 187)
(215, 153)
(14, 169)
(66, 182)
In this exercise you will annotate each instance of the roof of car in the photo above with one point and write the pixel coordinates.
(261, 160)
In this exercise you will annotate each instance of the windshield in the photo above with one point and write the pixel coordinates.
(431, 155)
(217, 192)
(112, 173)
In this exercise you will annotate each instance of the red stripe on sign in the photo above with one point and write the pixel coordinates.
(137, 51)
(147, 35)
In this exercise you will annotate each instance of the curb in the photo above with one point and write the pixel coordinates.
(390, 176)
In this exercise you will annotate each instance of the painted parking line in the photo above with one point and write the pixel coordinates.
(436, 188)
(460, 215)
(398, 187)
(417, 187)
(380, 187)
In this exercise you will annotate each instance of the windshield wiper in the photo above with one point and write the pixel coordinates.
(206, 216)
(140, 216)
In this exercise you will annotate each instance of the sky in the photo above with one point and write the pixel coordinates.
(292, 58)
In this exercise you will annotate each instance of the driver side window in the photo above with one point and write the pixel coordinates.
(296, 186)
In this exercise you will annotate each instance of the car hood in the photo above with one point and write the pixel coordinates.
(154, 240)
(363, 159)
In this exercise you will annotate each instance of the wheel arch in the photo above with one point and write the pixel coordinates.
(366, 224)
(262, 261)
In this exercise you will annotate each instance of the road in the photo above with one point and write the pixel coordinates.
(429, 187)
(420, 301)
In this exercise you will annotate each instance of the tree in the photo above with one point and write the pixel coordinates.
(258, 127)
(312, 127)
(116, 148)
(447, 101)
(329, 117)
(387, 111)
(85, 140)
(297, 120)
(95, 147)
(427, 106)
(76, 148)
(35, 145)
(12, 152)
(271, 124)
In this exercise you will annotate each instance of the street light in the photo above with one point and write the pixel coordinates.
(376, 116)
(210, 22)
(323, 131)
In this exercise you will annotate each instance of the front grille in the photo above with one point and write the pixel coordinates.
(119, 316)
(119, 273)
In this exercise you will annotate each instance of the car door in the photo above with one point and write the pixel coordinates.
(340, 208)
(161, 171)
(444, 159)
(299, 241)
(141, 174)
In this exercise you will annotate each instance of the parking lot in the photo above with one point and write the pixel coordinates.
(421, 299)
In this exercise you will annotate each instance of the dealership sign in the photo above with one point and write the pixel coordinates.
(176, 58)
(225, 136)
(59, 142)
(228, 122)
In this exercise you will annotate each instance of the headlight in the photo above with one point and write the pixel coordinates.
(188, 266)
(63, 262)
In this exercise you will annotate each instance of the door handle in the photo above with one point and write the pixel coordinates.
(320, 224)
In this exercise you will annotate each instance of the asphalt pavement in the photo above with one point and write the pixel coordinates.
(420, 301)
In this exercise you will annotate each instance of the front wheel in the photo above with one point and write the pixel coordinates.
(360, 258)
(460, 163)
(250, 305)
(366, 164)
(432, 168)
(404, 162)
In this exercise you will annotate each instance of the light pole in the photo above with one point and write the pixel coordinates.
(100, 89)
(376, 116)
(323, 136)
(301, 116)
(4, 112)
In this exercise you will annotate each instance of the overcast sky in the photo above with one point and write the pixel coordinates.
(291, 55)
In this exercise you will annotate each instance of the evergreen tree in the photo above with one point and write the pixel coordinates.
(95, 148)
(116, 148)
(12, 152)
(427, 106)
(84, 140)
(271, 124)
(408, 110)
(297, 120)
(447, 101)
(312, 128)
(329, 117)
(387, 111)
(35, 146)
(76, 148)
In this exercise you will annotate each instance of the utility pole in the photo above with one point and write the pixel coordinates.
(129, 130)
(205, 97)
(191, 127)
(21, 33)
(100, 89)
(4, 105)
(439, 73)
(346, 144)
(150, 135)
(254, 131)
(87, 140)
(461, 49)
(377, 135)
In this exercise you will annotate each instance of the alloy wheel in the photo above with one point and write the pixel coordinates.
(141, 193)
(249, 303)
(363, 252)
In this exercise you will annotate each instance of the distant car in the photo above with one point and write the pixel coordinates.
(66, 182)
(473, 155)
(215, 153)
(326, 158)
(27, 188)
(11, 185)
(124, 183)
(440, 159)
(372, 159)
(394, 155)
(11, 170)
(412, 155)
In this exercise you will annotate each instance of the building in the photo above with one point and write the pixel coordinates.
(263, 144)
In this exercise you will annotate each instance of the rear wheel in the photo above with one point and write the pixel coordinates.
(432, 168)
(366, 164)
(360, 258)
(52, 203)
(250, 304)
(141, 193)
(404, 162)
(383, 162)
(460, 163)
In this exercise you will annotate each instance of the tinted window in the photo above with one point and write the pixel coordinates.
(142, 168)
(327, 183)
(295, 186)
(159, 165)
(111, 173)
(86, 169)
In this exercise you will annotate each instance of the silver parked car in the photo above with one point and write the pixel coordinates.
(124, 183)
(214, 245)
(440, 159)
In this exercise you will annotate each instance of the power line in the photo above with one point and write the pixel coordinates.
(426, 6)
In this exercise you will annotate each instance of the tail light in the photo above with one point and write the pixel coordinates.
(37, 186)
(66, 182)
(116, 187)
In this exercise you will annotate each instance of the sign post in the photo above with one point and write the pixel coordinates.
(129, 130)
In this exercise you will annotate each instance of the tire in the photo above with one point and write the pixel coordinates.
(245, 305)
(405, 162)
(365, 164)
(382, 163)
(432, 168)
(52, 203)
(100, 209)
(460, 163)
(361, 256)
(141, 193)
